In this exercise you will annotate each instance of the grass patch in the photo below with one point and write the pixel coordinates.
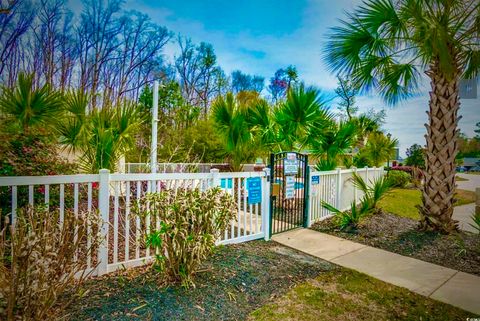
(464, 197)
(403, 202)
(460, 179)
(349, 295)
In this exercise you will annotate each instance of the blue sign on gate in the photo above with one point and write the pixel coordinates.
(254, 187)
(315, 180)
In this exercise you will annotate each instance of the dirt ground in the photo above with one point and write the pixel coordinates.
(235, 281)
(460, 251)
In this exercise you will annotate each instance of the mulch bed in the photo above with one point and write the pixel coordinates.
(236, 280)
(460, 251)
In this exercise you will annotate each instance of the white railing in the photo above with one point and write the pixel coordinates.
(112, 196)
(336, 188)
(172, 167)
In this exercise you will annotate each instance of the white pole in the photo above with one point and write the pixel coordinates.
(153, 150)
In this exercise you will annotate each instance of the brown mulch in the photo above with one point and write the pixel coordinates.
(232, 283)
(459, 251)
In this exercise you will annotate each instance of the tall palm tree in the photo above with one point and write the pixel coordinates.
(365, 126)
(385, 44)
(27, 107)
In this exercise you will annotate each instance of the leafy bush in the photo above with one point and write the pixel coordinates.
(399, 178)
(37, 261)
(184, 225)
(31, 155)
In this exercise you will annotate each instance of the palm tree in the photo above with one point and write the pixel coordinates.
(101, 136)
(333, 142)
(26, 106)
(379, 149)
(301, 117)
(366, 125)
(230, 118)
(385, 45)
(292, 76)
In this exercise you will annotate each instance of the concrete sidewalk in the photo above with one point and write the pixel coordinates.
(430, 280)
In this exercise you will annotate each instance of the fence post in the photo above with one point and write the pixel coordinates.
(103, 208)
(215, 177)
(339, 187)
(366, 175)
(308, 186)
(355, 196)
(266, 204)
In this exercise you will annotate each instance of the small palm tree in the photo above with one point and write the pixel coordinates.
(301, 117)
(230, 118)
(373, 192)
(385, 45)
(101, 136)
(379, 149)
(332, 143)
(27, 107)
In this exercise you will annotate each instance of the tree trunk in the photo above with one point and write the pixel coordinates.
(442, 133)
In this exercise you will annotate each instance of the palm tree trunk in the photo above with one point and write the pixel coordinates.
(442, 133)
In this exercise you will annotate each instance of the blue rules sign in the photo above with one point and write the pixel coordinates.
(315, 180)
(254, 187)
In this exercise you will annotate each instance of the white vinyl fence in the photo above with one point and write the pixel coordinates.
(113, 195)
(337, 189)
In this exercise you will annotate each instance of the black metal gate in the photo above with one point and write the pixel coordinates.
(289, 191)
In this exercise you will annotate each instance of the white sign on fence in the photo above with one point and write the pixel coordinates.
(290, 187)
(290, 164)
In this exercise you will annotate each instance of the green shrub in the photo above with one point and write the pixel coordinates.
(184, 226)
(31, 155)
(399, 178)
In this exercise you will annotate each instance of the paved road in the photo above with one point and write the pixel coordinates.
(472, 183)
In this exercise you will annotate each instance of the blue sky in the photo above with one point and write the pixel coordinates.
(258, 37)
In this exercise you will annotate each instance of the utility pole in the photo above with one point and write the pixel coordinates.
(153, 149)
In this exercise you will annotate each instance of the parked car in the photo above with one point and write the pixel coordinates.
(461, 169)
(474, 169)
